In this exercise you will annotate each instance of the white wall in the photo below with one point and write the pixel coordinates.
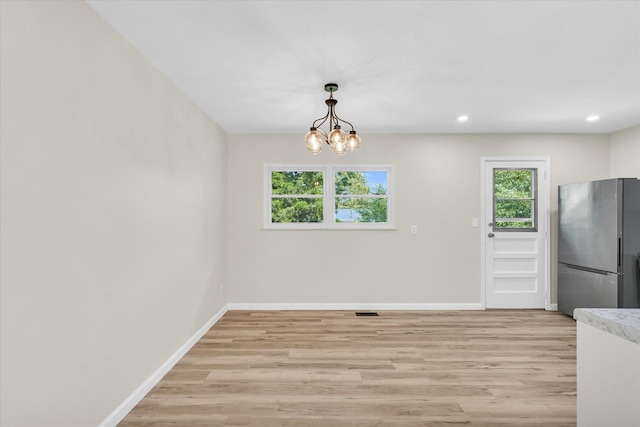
(113, 216)
(625, 153)
(437, 183)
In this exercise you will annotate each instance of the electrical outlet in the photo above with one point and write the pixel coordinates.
(221, 288)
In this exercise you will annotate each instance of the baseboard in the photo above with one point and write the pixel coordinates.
(130, 402)
(355, 306)
(552, 307)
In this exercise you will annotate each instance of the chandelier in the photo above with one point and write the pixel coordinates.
(339, 141)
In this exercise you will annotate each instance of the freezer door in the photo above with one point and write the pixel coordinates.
(585, 289)
(590, 221)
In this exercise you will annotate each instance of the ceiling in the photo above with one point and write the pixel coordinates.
(402, 66)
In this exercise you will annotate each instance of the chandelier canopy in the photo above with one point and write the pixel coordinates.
(339, 141)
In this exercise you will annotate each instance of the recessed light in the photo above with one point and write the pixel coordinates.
(593, 118)
(463, 118)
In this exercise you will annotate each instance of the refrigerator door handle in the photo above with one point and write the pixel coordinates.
(619, 251)
(638, 277)
(590, 270)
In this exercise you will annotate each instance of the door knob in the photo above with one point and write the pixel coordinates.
(491, 235)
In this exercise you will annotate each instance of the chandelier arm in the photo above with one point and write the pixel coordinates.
(343, 121)
(334, 120)
(321, 119)
(324, 134)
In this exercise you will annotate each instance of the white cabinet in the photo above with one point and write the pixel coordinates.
(608, 374)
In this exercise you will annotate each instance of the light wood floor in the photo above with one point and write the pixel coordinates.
(333, 369)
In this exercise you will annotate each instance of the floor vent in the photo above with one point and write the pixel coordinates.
(366, 313)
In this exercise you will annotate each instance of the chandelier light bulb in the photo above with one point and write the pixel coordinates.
(353, 141)
(337, 136)
(339, 147)
(314, 141)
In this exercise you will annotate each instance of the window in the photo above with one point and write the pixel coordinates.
(361, 196)
(515, 200)
(327, 197)
(297, 196)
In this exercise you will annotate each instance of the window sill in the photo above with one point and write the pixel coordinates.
(326, 227)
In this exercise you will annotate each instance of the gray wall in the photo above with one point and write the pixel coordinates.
(437, 187)
(113, 213)
(625, 153)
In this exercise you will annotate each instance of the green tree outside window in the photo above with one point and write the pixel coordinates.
(514, 199)
(308, 208)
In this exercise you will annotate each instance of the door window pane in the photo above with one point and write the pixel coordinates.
(515, 204)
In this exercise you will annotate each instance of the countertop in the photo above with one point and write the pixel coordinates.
(621, 322)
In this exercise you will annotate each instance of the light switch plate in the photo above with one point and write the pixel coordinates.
(475, 223)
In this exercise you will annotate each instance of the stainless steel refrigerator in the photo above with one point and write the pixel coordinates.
(599, 245)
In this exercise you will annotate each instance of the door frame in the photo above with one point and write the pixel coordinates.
(545, 216)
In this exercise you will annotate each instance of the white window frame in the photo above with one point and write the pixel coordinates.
(328, 197)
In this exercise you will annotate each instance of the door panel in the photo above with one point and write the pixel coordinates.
(515, 254)
(511, 265)
(511, 243)
(515, 284)
(514, 266)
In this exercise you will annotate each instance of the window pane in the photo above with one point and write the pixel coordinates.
(513, 209)
(296, 182)
(514, 199)
(365, 182)
(361, 209)
(513, 184)
(512, 224)
(293, 210)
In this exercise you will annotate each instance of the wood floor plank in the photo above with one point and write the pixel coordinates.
(331, 368)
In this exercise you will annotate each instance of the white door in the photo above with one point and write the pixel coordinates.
(515, 233)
